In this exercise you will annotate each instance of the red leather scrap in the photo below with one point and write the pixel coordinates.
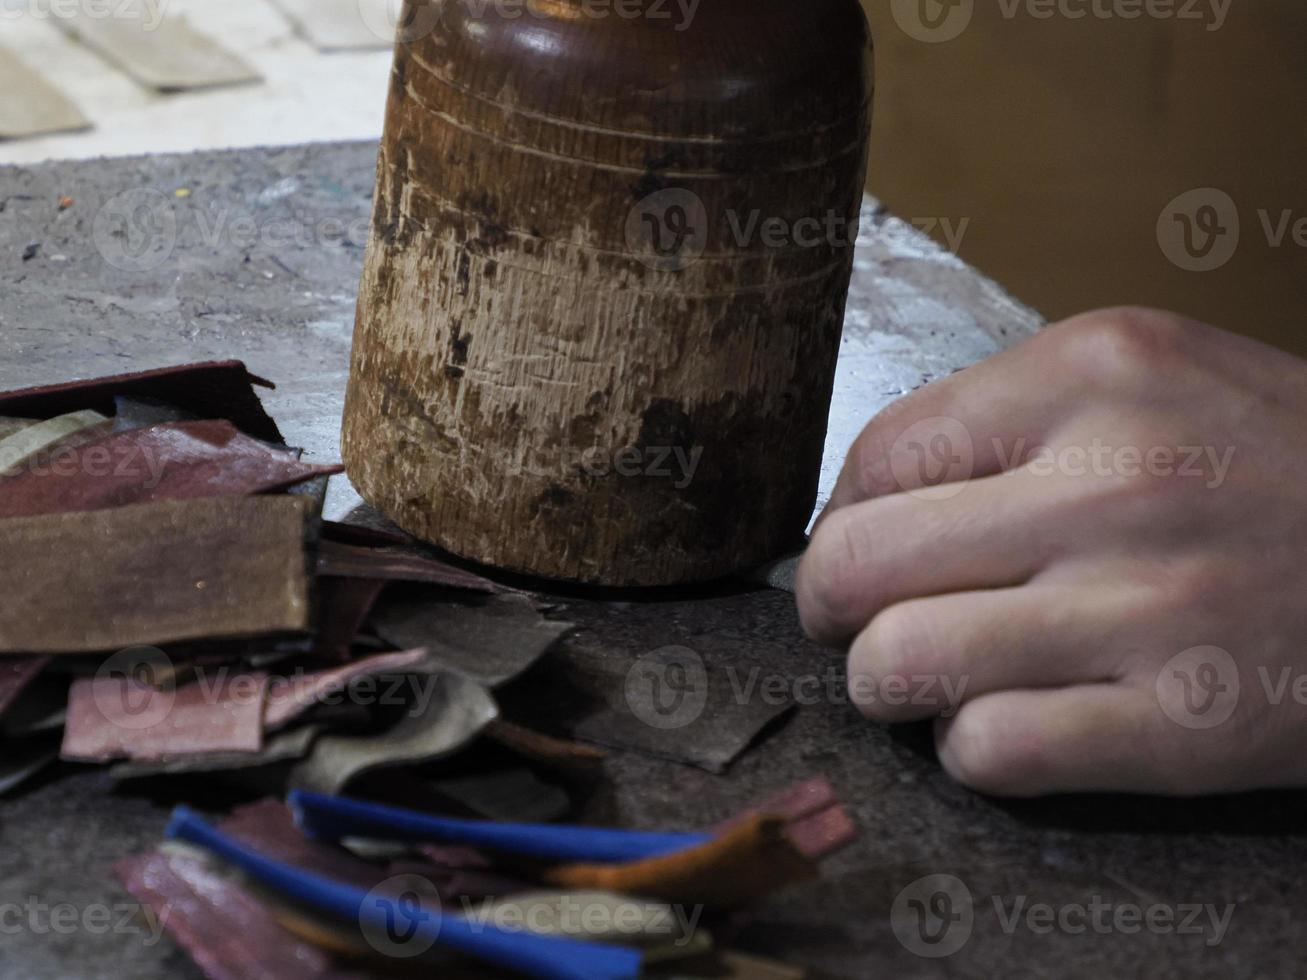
(110, 717)
(290, 697)
(226, 930)
(210, 390)
(174, 461)
(343, 606)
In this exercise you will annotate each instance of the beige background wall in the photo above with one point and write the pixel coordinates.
(1065, 143)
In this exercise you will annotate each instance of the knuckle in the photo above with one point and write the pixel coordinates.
(888, 661)
(981, 752)
(828, 580)
(873, 472)
(1120, 347)
(1178, 586)
(899, 642)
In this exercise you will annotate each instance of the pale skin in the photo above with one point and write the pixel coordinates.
(1052, 569)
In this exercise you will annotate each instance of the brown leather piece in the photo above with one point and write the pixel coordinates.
(211, 390)
(218, 568)
(693, 692)
(739, 866)
(393, 565)
(364, 536)
(176, 461)
(343, 605)
(492, 640)
(545, 749)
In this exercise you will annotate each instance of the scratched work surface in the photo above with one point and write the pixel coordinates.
(258, 259)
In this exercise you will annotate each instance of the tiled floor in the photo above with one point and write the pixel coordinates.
(306, 95)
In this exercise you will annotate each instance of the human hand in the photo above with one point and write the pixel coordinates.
(1097, 541)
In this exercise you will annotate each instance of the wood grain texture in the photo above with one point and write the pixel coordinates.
(534, 385)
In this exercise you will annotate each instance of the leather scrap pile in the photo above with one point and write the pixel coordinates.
(176, 604)
(331, 887)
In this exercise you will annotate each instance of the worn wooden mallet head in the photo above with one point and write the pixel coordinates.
(603, 298)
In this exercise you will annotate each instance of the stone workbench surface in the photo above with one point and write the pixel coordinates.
(256, 255)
